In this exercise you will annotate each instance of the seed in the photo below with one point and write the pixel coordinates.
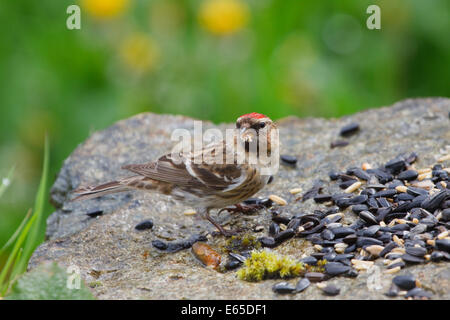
(365, 166)
(397, 240)
(401, 188)
(442, 235)
(336, 268)
(405, 282)
(436, 256)
(349, 129)
(95, 213)
(374, 249)
(259, 228)
(388, 248)
(444, 158)
(314, 276)
(431, 242)
(361, 264)
(398, 250)
(408, 175)
(295, 190)
(284, 235)
(418, 293)
(415, 221)
(340, 247)
(342, 232)
(393, 270)
(283, 288)
(320, 198)
(443, 245)
(338, 144)
(302, 284)
(189, 212)
(318, 247)
(331, 290)
(287, 159)
(309, 260)
(353, 187)
(371, 231)
(282, 226)
(268, 242)
(412, 259)
(368, 217)
(144, 225)
(416, 251)
(278, 200)
(423, 176)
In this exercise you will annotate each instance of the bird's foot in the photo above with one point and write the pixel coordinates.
(239, 208)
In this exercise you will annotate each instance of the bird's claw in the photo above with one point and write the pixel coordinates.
(239, 208)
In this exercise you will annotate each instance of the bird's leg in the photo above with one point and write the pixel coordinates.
(226, 233)
(239, 208)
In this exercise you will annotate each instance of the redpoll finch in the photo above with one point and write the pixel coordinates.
(197, 178)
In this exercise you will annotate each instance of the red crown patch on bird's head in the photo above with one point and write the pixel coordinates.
(254, 115)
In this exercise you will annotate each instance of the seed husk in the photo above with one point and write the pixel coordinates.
(353, 187)
(374, 250)
(393, 270)
(418, 293)
(368, 217)
(189, 212)
(284, 235)
(295, 190)
(361, 264)
(338, 144)
(278, 200)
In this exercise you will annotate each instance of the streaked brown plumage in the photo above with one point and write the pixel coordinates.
(197, 179)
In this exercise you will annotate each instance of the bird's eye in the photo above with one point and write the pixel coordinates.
(262, 125)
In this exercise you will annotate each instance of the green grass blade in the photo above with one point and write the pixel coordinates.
(32, 239)
(13, 255)
(16, 233)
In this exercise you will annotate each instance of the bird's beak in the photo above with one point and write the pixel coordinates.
(247, 135)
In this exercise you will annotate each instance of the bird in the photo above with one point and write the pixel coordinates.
(197, 179)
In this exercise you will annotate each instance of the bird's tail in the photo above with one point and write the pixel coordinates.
(91, 192)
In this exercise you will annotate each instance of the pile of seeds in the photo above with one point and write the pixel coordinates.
(403, 217)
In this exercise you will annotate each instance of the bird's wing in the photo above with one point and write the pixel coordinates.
(191, 172)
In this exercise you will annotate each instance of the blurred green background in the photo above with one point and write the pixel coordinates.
(212, 59)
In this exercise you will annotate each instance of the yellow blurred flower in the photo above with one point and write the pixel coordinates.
(105, 8)
(222, 17)
(139, 52)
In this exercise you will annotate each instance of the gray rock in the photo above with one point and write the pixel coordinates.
(124, 265)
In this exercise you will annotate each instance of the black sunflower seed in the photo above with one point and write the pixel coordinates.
(361, 174)
(365, 241)
(349, 129)
(268, 242)
(443, 245)
(274, 229)
(408, 175)
(412, 259)
(357, 208)
(158, 244)
(416, 191)
(314, 276)
(404, 197)
(309, 261)
(347, 183)
(144, 225)
(359, 199)
(395, 165)
(283, 288)
(287, 159)
(388, 248)
(405, 282)
(284, 235)
(328, 234)
(418, 293)
(388, 193)
(436, 256)
(371, 231)
(433, 202)
(368, 217)
(302, 284)
(336, 268)
(338, 144)
(320, 198)
(342, 231)
(416, 251)
(331, 290)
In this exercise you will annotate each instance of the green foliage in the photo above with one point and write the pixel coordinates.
(48, 281)
(27, 237)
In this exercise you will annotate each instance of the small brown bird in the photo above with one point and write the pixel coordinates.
(197, 178)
